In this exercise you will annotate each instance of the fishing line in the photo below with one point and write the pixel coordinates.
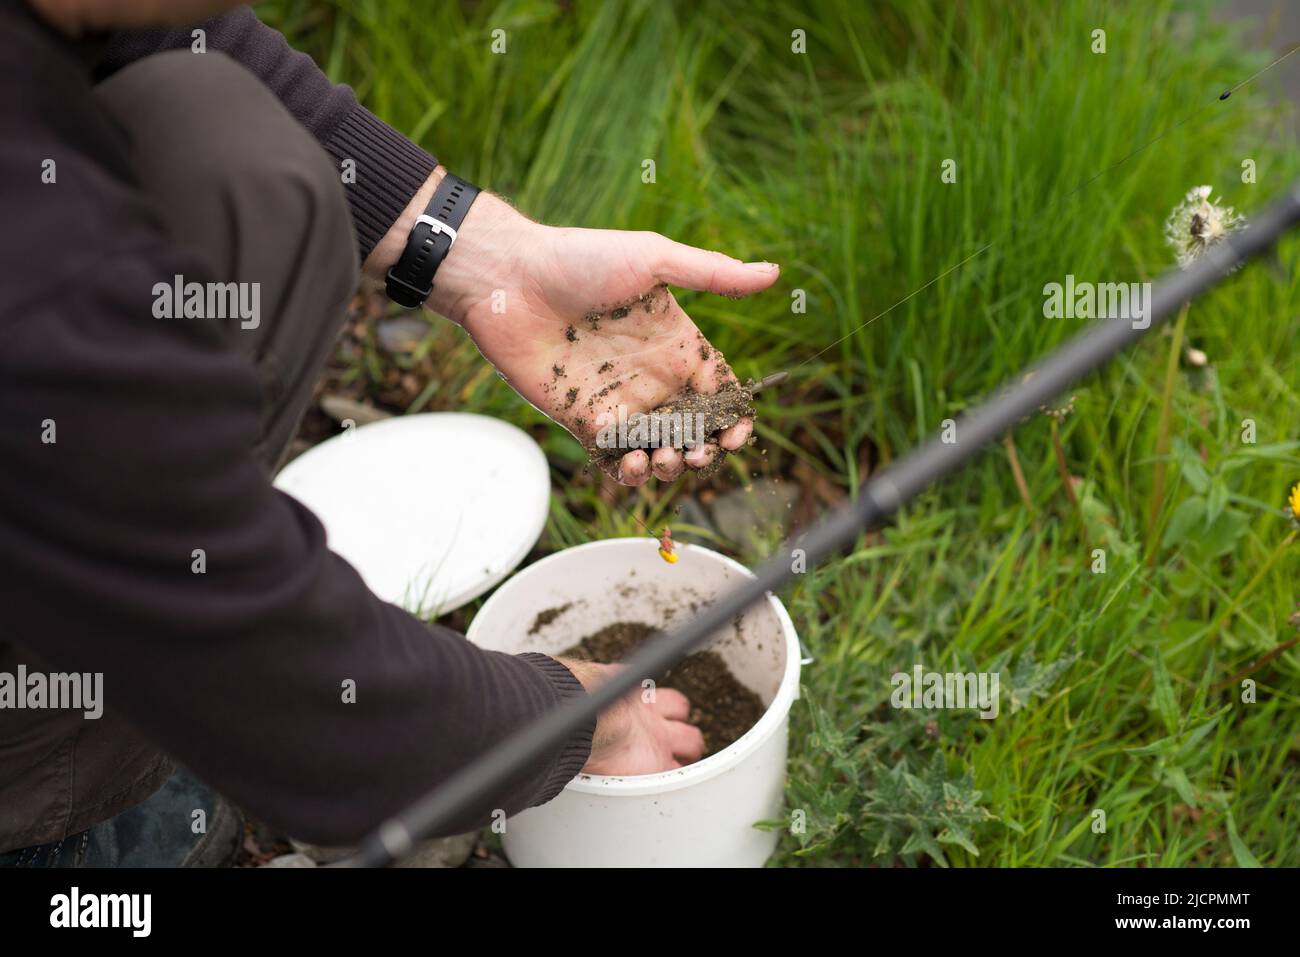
(880, 496)
(1053, 203)
(1041, 216)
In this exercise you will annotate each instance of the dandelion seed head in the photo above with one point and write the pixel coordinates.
(1059, 413)
(1197, 223)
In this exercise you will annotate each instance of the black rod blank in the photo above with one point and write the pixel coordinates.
(878, 498)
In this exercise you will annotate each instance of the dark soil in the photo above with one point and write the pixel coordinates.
(721, 707)
(544, 618)
(721, 410)
(655, 300)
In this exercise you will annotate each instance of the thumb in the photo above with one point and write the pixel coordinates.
(680, 265)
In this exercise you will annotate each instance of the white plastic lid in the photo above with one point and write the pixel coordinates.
(432, 510)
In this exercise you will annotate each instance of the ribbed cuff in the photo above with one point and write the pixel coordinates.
(390, 169)
(577, 750)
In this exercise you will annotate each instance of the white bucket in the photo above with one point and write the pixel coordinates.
(701, 815)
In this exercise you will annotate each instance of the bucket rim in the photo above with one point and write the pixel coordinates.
(772, 721)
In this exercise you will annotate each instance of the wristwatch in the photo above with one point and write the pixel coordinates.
(410, 281)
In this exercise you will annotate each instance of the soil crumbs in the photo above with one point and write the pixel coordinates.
(718, 411)
(721, 707)
(544, 618)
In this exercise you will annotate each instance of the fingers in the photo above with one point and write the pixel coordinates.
(634, 468)
(672, 704)
(680, 265)
(666, 463)
(686, 741)
(702, 455)
(735, 436)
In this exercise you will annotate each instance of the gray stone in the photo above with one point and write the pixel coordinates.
(400, 334)
(340, 408)
(690, 512)
(755, 516)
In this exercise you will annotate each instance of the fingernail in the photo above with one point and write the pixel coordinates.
(761, 266)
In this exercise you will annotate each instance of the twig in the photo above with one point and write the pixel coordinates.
(776, 378)
(1065, 480)
(1017, 473)
(1259, 662)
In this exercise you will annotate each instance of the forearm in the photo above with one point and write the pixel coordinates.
(612, 723)
(272, 671)
(390, 245)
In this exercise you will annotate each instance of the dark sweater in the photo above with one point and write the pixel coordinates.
(238, 672)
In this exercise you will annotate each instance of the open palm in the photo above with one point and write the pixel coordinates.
(581, 322)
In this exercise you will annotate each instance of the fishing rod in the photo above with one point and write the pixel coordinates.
(878, 497)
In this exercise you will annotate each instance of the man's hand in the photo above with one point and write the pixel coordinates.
(581, 322)
(637, 736)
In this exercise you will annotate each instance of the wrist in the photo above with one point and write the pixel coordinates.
(481, 260)
(484, 259)
(611, 724)
(391, 245)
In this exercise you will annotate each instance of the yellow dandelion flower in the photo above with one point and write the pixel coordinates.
(1293, 503)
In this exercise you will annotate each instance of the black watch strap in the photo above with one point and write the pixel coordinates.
(411, 280)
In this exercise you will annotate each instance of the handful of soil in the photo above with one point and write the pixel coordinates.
(721, 707)
(674, 423)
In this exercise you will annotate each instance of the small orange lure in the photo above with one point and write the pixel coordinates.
(666, 547)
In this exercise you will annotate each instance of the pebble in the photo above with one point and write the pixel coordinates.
(340, 408)
(400, 334)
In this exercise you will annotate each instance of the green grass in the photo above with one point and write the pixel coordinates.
(829, 163)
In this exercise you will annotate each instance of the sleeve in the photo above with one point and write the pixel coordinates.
(390, 169)
(268, 667)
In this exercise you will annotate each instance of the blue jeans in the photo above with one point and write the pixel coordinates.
(162, 831)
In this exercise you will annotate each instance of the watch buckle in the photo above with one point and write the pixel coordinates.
(438, 226)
